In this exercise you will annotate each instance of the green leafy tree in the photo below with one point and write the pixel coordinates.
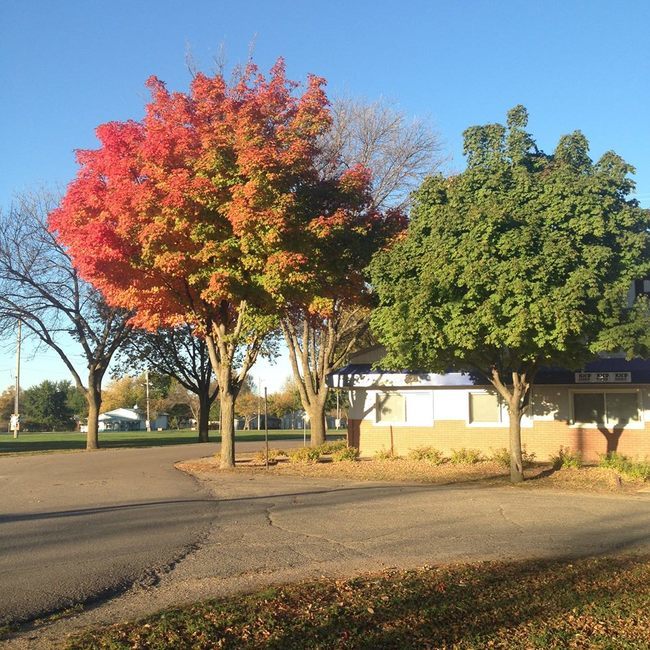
(7, 406)
(524, 259)
(47, 404)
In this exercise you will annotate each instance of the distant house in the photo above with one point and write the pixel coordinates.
(125, 419)
(604, 407)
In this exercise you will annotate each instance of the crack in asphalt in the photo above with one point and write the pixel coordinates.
(323, 538)
(507, 519)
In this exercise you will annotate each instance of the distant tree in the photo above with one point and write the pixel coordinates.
(7, 398)
(525, 259)
(47, 405)
(248, 403)
(77, 403)
(40, 287)
(129, 391)
(179, 353)
(399, 150)
(285, 401)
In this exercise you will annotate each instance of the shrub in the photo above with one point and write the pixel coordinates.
(465, 456)
(305, 455)
(427, 454)
(260, 457)
(332, 446)
(624, 465)
(345, 454)
(502, 457)
(385, 454)
(566, 457)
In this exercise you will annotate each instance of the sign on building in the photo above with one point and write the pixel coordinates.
(603, 377)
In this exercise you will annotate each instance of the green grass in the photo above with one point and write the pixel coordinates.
(589, 603)
(71, 441)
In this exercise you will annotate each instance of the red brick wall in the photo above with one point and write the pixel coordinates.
(543, 439)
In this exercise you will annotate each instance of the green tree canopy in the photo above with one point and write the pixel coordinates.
(46, 404)
(524, 259)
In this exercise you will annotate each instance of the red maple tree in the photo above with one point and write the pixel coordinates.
(211, 211)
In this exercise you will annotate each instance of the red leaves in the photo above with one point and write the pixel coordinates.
(215, 197)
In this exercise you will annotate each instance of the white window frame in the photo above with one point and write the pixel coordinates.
(504, 416)
(604, 390)
(405, 422)
(503, 413)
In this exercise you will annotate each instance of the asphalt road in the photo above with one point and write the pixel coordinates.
(78, 526)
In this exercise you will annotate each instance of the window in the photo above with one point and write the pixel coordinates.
(484, 407)
(589, 407)
(390, 407)
(414, 408)
(614, 409)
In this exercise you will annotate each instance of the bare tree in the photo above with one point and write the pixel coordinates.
(40, 287)
(181, 354)
(400, 152)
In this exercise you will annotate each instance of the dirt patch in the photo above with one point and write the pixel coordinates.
(488, 473)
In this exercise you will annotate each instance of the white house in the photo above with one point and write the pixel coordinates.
(125, 419)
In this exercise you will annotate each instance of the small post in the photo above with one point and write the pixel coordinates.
(146, 378)
(266, 428)
(259, 406)
(15, 418)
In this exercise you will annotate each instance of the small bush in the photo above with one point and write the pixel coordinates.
(626, 466)
(502, 457)
(333, 446)
(345, 454)
(465, 456)
(385, 454)
(427, 454)
(566, 457)
(305, 455)
(260, 457)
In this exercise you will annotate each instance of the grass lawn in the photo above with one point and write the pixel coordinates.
(588, 603)
(70, 441)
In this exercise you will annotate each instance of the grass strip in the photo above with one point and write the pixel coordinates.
(599, 602)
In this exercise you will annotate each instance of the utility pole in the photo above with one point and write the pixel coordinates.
(146, 378)
(15, 418)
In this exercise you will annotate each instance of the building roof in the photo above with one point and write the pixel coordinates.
(601, 371)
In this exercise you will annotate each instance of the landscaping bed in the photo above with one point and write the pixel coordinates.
(335, 462)
(588, 603)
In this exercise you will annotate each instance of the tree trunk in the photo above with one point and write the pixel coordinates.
(204, 414)
(516, 464)
(227, 402)
(317, 423)
(94, 399)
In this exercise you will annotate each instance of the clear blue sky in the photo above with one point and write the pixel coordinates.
(67, 66)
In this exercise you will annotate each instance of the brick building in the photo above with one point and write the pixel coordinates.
(603, 408)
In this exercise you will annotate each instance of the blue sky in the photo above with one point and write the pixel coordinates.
(67, 66)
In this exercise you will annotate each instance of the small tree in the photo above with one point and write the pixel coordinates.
(47, 404)
(40, 287)
(180, 354)
(248, 404)
(523, 260)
